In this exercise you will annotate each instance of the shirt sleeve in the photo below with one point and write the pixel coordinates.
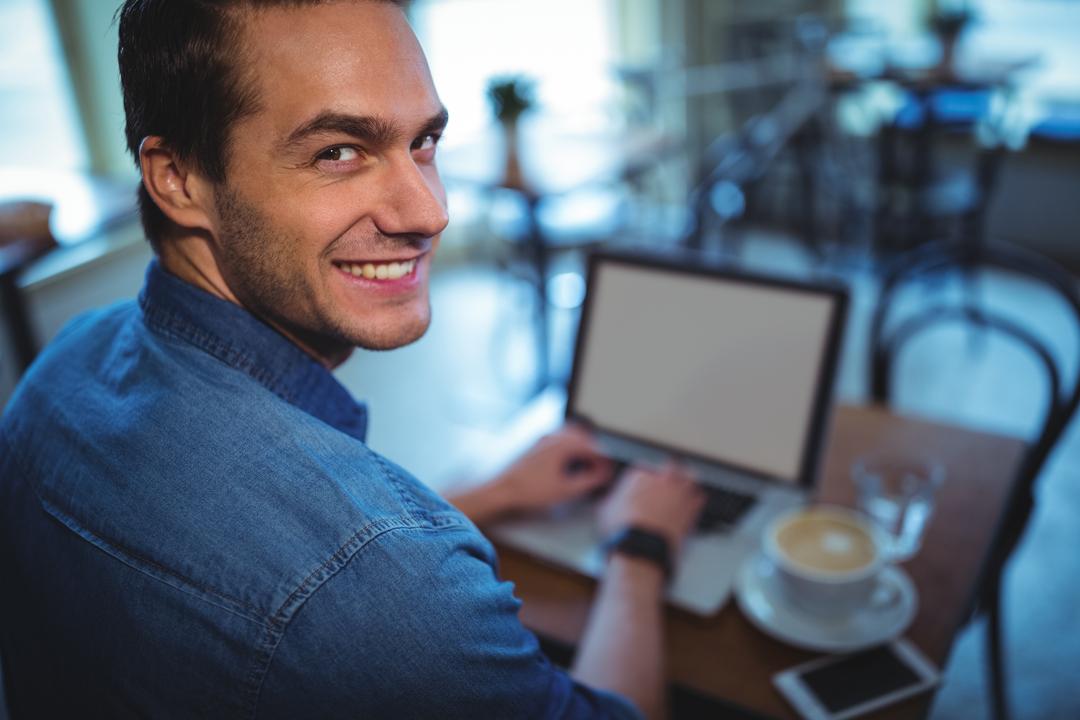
(417, 625)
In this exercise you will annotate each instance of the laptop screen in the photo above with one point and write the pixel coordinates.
(730, 368)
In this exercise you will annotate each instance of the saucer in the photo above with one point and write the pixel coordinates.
(759, 601)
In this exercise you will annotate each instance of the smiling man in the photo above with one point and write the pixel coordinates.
(190, 522)
(332, 209)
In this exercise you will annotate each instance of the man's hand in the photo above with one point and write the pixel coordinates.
(666, 501)
(559, 467)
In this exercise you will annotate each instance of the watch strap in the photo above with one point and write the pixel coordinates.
(641, 543)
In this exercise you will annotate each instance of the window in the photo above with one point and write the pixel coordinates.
(1044, 28)
(567, 46)
(39, 125)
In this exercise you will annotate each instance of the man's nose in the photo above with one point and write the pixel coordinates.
(414, 202)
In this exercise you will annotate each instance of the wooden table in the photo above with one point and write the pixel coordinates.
(725, 657)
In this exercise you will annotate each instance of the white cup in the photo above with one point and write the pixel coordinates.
(828, 560)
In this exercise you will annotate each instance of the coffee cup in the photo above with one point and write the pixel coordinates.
(828, 560)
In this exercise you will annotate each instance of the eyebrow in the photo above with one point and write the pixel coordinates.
(373, 129)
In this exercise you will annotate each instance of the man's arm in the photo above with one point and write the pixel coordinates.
(622, 650)
(416, 624)
(623, 647)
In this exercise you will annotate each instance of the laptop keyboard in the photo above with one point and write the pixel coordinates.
(723, 508)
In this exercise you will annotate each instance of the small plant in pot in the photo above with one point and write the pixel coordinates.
(510, 98)
(949, 23)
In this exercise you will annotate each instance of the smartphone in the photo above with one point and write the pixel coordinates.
(846, 686)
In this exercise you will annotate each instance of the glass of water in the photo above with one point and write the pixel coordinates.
(898, 493)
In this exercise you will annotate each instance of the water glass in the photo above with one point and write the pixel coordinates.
(898, 493)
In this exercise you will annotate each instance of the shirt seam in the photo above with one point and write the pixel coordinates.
(249, 346)
(143, 565)
(279, 623)
(173, 327)
(405, 494)
(166, 323)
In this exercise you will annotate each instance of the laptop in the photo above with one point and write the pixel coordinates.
(728, 371)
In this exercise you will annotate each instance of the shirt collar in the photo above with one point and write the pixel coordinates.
(239, 339)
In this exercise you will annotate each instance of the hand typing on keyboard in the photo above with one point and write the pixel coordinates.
(663, 500)
(561, 466)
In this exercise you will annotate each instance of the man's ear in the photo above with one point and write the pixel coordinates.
(184, 195)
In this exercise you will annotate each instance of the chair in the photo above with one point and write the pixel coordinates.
(540, 227)
(736, 175)
(919, 198)
(24, 237)
(730, 163)
(735, 161)
(890, 333)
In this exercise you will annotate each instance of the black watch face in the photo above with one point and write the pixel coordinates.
(645, 544)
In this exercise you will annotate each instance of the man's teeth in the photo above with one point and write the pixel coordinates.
(383, 271)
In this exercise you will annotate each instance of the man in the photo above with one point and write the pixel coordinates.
(191, 523)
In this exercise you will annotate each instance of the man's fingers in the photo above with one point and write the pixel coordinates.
(590, 481)
(599, 471)
(677, 467)
(697, 506)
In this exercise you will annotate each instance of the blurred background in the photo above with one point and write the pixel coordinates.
(810, 138)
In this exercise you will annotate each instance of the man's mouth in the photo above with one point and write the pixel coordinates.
(379, 271)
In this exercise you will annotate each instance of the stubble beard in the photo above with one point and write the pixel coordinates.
(257, 268)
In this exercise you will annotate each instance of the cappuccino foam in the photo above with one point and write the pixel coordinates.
(826, 543)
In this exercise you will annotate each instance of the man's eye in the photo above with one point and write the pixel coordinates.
(427, 142)
(340, 153)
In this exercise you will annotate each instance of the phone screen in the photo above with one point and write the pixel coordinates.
(859, 678)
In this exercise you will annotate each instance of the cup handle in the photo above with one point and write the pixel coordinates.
(894, 555)
(885, 596)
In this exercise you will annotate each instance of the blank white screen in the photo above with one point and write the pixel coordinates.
(724, 369)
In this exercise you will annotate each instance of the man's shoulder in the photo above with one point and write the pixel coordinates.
(197, 474)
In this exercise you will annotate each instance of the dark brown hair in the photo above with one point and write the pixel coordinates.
(182, 81)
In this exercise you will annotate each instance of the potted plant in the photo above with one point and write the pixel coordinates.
(510, 98)
(948, 23)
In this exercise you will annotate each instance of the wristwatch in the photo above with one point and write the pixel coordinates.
(640, 543)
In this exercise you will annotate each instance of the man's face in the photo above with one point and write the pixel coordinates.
(332, 207)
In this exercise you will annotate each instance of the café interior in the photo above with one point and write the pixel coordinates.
(922, 154)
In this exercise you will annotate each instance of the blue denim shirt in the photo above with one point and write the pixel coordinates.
(192, 526)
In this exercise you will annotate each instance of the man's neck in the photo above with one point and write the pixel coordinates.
(192, 260)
